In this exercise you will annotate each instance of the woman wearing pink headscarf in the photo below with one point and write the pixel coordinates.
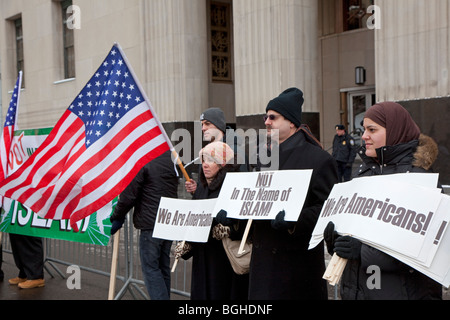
(393, 143)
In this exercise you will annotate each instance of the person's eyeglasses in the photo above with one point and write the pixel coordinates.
(272, 117)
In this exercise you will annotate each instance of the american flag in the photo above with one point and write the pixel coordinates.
(104, 138)
(8, 128)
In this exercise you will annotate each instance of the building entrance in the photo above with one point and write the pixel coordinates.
(357, 104)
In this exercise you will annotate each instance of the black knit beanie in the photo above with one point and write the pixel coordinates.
(289, 105)
(216, 117)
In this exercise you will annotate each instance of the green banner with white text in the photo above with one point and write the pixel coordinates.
(16, 218)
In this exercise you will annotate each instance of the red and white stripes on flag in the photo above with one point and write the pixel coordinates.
(103, 139)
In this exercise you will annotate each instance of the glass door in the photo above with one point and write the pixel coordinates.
(358, 103)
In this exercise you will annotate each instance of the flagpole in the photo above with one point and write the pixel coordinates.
(169, 142)
(112, 279)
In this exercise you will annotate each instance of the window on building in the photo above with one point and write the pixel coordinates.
(355, 13)
(19, 49)
(220, 41)
(68, 42)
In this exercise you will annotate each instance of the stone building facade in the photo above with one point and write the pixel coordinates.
(190, 55)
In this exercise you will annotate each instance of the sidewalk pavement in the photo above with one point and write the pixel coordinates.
(93, 286)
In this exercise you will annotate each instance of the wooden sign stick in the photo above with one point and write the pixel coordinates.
(186, 176)
(335, 269)
(244, 237)
(176, 260)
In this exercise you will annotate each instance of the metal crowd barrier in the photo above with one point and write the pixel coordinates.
(97, 259)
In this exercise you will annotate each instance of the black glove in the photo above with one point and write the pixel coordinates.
(329, 235)
(223, 220)
(116, 225)
(348, 247)
(280, 224)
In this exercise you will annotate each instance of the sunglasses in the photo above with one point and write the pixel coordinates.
(272, 117)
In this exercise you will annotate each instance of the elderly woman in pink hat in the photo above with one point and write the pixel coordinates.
(212, 275)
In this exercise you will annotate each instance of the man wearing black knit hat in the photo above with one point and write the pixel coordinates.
(282, 266)
(287, 105)
(213, 129)
(213, 124)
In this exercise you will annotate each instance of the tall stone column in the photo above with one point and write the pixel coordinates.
(412, 49)
(276, 47)
(175, 57)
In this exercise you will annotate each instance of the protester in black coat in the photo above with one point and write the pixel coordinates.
(156, 179)
(404, 149)
(282, 267)
(212, 275)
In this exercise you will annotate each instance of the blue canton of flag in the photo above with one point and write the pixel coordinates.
(107, 97)
(10, 119)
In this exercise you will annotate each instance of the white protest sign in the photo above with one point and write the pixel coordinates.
(428, 180)
(262, 195)
(394, 215)
(439, 269)
(184, 220)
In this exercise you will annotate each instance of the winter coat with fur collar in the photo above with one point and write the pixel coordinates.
(398, 280)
